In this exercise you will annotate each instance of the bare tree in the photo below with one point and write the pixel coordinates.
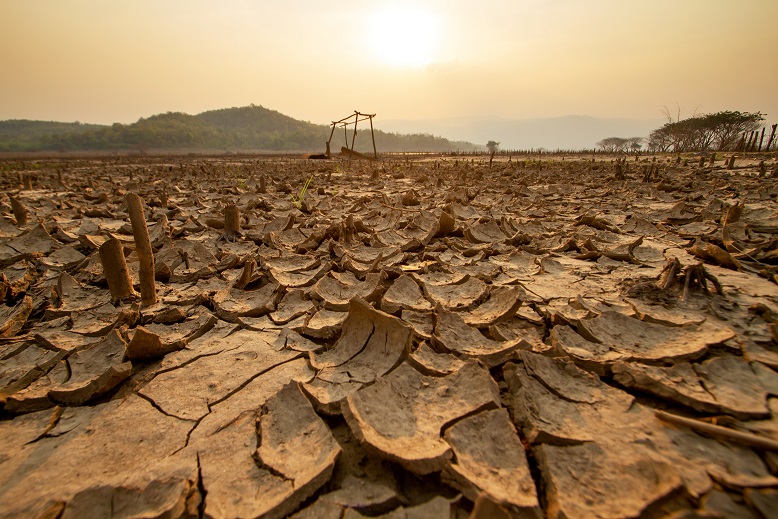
(669, 115)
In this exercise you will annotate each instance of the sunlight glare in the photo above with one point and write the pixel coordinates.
(404, 37)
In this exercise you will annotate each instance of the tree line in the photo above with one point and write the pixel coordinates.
(720, 131)
(621, 145)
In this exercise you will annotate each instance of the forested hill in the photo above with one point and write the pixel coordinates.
(24, 134)
(249, 128)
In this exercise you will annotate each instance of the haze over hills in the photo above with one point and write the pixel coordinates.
(255, 128)
(572, 132)
(248, 128)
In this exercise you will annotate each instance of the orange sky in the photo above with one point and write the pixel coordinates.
(119, 60)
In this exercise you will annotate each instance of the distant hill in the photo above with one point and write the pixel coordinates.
(24, 134)
(252, 117)
(572, 132)
(248, 128)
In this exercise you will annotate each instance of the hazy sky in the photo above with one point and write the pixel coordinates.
(110, 61)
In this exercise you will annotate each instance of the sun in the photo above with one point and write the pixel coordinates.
(404, 37)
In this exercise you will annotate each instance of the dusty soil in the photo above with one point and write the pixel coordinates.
(429, 338)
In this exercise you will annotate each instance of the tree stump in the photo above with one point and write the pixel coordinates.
(348, 232)
(619, 172)
(245, 276)
(649, 171)
(115, 270)
(231, 222)
(733, 213)
(148, 290)
(731, 162)
(20, 212)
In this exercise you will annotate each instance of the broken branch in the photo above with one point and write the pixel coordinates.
(725, 433)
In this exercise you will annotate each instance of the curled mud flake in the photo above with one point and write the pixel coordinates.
(402, 414)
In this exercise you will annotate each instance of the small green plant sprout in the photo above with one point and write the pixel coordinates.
(298, 201)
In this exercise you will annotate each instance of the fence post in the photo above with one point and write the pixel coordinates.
(772, 136)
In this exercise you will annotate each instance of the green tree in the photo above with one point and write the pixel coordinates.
(720, 131)
(613, 144)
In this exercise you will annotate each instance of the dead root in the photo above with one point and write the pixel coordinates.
(669, 273)
(693, 275)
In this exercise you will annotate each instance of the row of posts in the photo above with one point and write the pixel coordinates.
(752, 141)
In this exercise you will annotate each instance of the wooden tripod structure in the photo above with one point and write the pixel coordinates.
(345, 123)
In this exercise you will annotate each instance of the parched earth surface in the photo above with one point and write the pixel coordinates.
(430, 338)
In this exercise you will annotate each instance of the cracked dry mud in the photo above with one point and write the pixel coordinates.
(429, 338)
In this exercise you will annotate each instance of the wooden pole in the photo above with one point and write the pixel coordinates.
(332, 132)
(354, 137)
(148, 290)
(761, 140)
(372, 135)
(115, 270)
(772, 136)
